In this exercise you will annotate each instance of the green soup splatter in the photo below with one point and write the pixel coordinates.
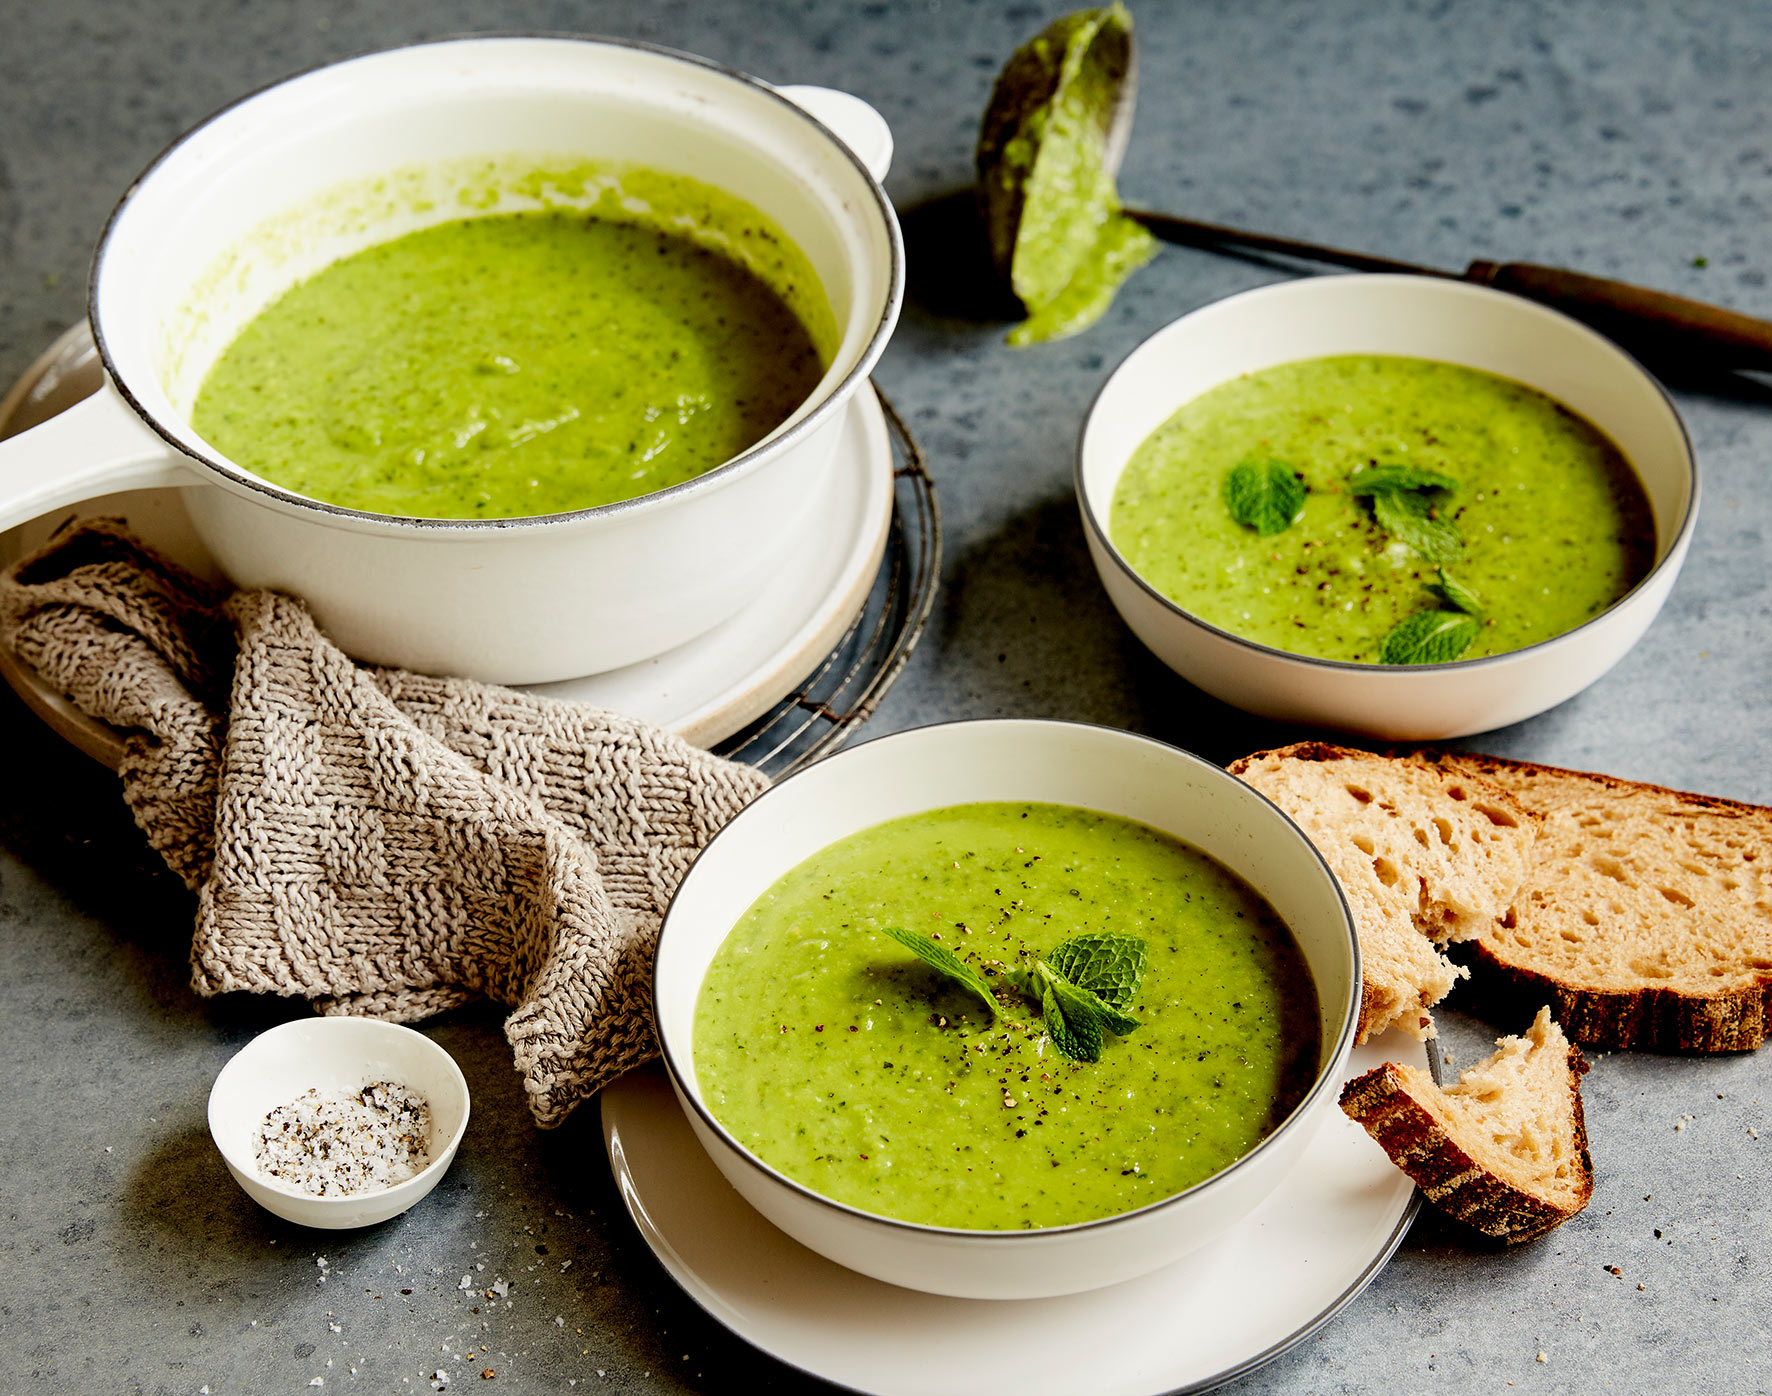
(510, 365)
(836, 1056)
(1555, 526)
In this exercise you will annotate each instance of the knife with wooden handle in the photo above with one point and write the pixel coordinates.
(1653, 322)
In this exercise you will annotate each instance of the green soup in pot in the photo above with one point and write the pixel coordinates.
(1554, 524)
(837, 1057)
(517, 364)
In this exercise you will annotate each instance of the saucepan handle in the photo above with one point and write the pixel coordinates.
(98, 446)
(855, 123)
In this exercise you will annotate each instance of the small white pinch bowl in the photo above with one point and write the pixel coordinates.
(1418, 317)
(334, 1054)
(959, 763)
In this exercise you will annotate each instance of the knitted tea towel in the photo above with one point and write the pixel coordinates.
(376, 841)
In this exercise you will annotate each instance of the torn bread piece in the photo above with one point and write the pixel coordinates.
(1505, 1149)
(1425, 855)
(1648, 920)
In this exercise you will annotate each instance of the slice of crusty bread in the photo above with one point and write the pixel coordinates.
(1424, 854)
(1505, 1149)
(1648, 920)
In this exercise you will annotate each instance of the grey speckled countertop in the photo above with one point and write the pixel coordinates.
(1626, 138)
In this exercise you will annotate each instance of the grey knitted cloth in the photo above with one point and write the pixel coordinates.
(376, 841)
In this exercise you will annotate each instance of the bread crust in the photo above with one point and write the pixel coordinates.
(1647, 1019)
(1384, 1102)
(1505, 985)
(1423, 856)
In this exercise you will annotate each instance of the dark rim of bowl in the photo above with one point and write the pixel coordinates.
(1325, 1081)
(1676, 547)
(833, 398)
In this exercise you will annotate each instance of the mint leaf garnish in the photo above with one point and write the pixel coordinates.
(1406, 503)
(1409, 516)
(1385, 479)
(1430, 637)
(1108, 966)
(1073, 1027)
(1456, 594)
(1089, 983)
(1080, 1001)
(1084, 988)
(1266, 496)
(939, 957)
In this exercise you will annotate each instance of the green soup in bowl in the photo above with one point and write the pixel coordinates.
(515, 364)
(1527, 509)
(839, 1057)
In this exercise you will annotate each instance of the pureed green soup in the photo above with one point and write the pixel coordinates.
(1548, 523)
(839, 1058)
(518, 364)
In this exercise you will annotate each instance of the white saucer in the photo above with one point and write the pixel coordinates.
(1270, 1282)
(704, 691)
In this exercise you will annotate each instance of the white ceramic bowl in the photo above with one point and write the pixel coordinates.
(250, 203)
(1424, 318)
(334, 1054)
(958, 763)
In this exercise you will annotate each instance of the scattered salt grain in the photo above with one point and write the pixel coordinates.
(340, 1143)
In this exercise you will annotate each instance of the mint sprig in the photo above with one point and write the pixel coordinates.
(1455, 594)
(1413, 519)
(1076, 1034)
(1407, 504)
(1437, 637)
(1430, 637)
(939, 957)
(1387, 479)
(1080, 1002)
(1108, 966)
(1267, 496)
(1085, 986)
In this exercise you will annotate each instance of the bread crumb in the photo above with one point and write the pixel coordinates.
(1543, 1358)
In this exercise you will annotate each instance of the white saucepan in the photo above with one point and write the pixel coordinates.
(215, 230)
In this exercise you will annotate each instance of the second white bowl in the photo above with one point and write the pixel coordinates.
(958, 763)
(1417, 317)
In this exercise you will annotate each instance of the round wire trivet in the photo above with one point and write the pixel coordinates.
(843, 691)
